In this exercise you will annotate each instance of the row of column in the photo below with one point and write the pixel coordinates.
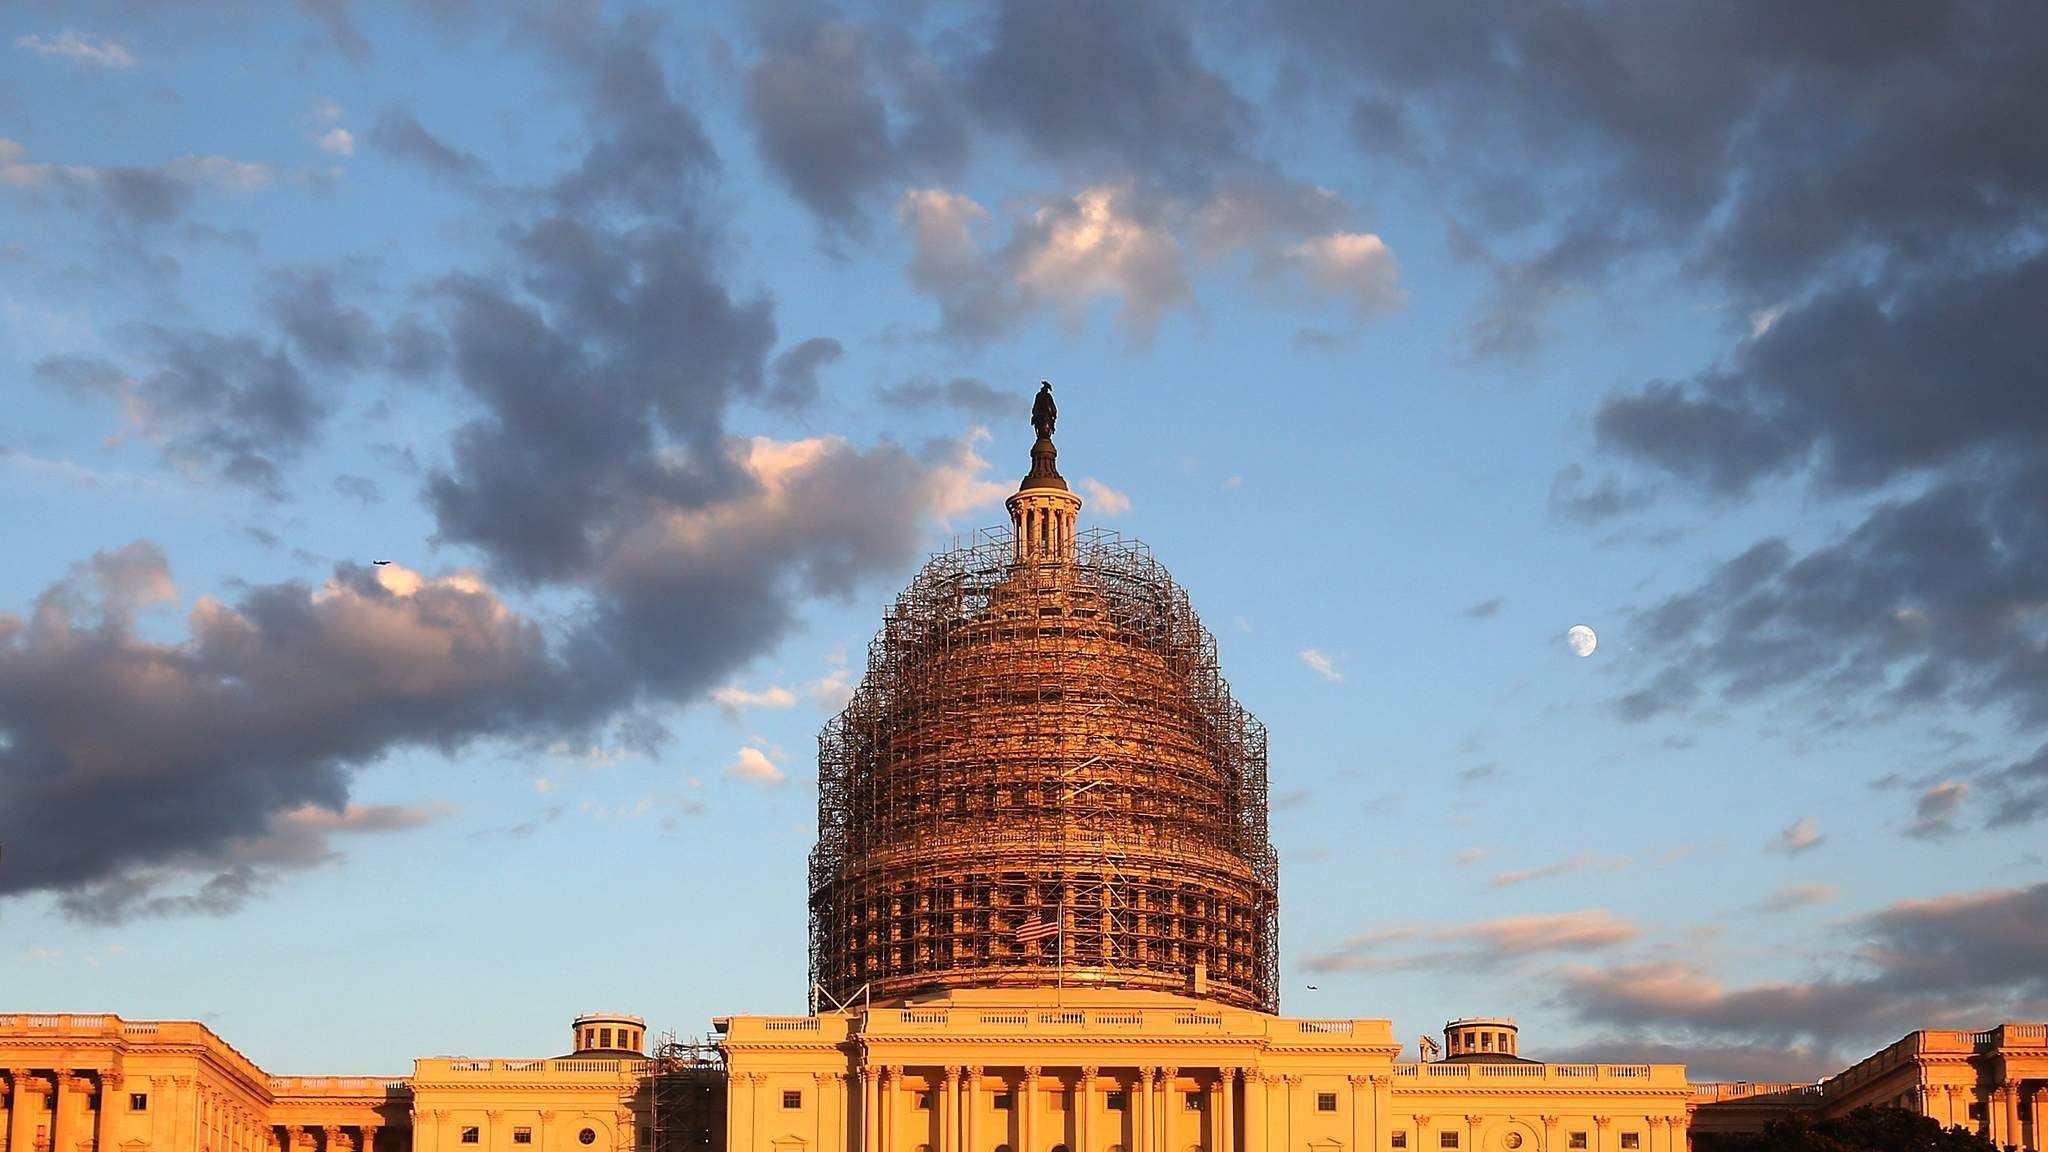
(28, 1087)
(2013, 1115)
(1153, 1102)
(180, 1116)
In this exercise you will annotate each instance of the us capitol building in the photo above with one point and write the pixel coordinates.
(1043, 915)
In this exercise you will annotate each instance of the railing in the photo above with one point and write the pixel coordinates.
(1120, 1018)
(466, 1064)
(336, 1085)
(1062, 1017)
(1449, 1070)
(1199, 1019)
(1744, 1090)
(792, 1024)
(1006, 1017)
(1332, 1027)
(139, 1029)
(912, 1016)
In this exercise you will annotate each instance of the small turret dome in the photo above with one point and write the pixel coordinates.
(609, 1034)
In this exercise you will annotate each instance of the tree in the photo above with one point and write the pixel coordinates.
(1864, 1130)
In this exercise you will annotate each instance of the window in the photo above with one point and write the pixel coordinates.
(1512, 1141)
(1004, 1100)
(924, 1101)
(1976, 1111)
(792, 1099)
(1577, 1140)
(138, 1101)
(1327, 1102)
(1447, 1139)
(604, 1037)
(469, 1134)
(1116, 1100)
(1400, 1140)
(587, 1136)
(1631, 1140)
(590, 1037)
(1192, 1102)
(522, 1135)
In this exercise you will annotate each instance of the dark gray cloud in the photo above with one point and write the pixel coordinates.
(127, 758)
(794, 374)
(599, 355)
(359, 488)
(400, 135)
(230, 407)
(327, 332)
(1109, 88)
(1967, 959)
(964, 394)
(819, 104)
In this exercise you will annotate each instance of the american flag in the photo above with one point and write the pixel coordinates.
(1036, 927)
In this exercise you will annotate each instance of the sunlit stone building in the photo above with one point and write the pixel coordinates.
(1043, 911)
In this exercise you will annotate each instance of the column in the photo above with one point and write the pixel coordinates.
(2040, 1109)
(1170, 1105)
(754, 1083)
(331, 1141)
(892, 1103)
(1360, 1130)
(949, 1112)
(1949, 1118)
(20, 1132)
(1679, 1125)
(971, 1102)
(1383, 1112)
(1254, 1110)
(1027, 1114)
(1140, 1103)
(1550, 1133)
(103, 1138)
(185, 1124)
(1422, 1141)
(1219, 1111)
(818, 1082)
(1656, 1123)
(366, 1136)
(63, 1137)
(1600, 1126)
(2012, 1113)
(869, 1116)
(1083, 1109)
(1287, 1128)
(1472, 1120)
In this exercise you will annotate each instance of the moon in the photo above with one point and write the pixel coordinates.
(1582, 639)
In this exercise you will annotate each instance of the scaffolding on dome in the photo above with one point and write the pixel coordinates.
(685, 1082)
(1044, 737)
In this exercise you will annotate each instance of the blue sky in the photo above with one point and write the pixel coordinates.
(656, 350)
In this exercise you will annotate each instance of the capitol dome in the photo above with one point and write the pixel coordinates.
(1043, 780)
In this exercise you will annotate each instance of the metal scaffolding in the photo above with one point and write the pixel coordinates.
(1050, 737)
(685, 1085)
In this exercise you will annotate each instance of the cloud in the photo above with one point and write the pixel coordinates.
(1794, 897)
(1481, 944)
(129, 196)
(754, 766)
(338, 141)
(81, 49)
(964, 394)
(1321, 664)
(1974, 956)
(361, 489)
(228, 407)
(1356, 267)
(399, 135)
(795, 372)
(824, 126)
(1105, 500)
(733, 698)
(1802, 835)
(1934, 813)
(1484, 610)
(1571, 499)
(1566, 867)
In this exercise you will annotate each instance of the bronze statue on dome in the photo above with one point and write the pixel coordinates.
(1043, 411)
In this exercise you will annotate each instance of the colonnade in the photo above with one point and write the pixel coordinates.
(59, 1099)
(1144, 1108)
